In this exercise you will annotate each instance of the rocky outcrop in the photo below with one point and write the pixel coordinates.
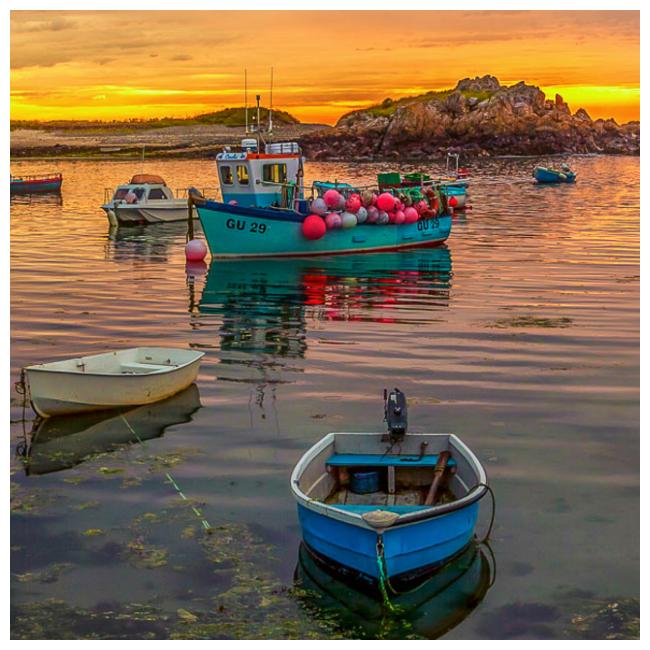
(479, 116)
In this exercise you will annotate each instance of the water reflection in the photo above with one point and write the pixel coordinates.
(430, 609)
(149, 243)
(60, 443)
(41, 199)
(265, 305)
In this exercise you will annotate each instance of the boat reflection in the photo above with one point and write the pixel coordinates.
(264, 305)
(59, 443)
(144, 244)
(430, 609)
(47, 198)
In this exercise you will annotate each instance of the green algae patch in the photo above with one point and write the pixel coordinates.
(618, 619)
(49, 574)
(93, 532)
(531, 321)
(111, 470)
(146, 556)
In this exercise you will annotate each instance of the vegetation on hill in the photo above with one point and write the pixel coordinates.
(234, 117)
(389, 106)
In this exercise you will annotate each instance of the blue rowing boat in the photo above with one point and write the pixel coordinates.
(389, 504)
(548, 175)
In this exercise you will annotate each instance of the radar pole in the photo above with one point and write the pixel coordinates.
(246, 97)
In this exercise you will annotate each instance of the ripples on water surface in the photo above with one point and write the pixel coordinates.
(521, 336)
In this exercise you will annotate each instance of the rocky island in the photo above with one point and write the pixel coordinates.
(478, 117)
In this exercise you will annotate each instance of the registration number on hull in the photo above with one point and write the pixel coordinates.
(239, 224)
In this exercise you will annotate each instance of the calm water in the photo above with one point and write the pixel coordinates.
(521, 336)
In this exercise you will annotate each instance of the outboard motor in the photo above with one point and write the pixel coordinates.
(395, 413)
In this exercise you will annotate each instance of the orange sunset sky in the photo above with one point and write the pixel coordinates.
(137, 64)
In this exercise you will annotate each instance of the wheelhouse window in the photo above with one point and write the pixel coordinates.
(275, 173)
(242, 174)
(226, 175)
(157, 193)
(121, 193)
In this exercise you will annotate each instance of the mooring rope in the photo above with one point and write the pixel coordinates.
(170, 478)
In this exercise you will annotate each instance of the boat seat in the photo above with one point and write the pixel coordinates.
(384, 460)
(133, 366)
(361, 509)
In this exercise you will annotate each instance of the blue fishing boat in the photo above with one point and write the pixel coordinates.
(548, 175)
(264, 212)
(389, 504)
(35, 184)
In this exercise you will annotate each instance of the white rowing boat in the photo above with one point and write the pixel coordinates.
(110, 380)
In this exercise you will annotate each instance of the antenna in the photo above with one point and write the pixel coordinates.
(257, 99)
(246, 97)
(271, 104)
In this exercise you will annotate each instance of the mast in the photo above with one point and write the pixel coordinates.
(246, 97)
(257, 99)
(271, 104)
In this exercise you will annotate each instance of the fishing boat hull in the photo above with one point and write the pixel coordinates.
(126, 214)
(419, 537)
(544, 175)
(112, 380)
(235, 231)
(35, 186)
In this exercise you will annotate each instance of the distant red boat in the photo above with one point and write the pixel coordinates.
(34, 184)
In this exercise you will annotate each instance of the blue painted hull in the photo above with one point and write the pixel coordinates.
(543, 175)
(235, 231)
(424, 544)
(34, 187)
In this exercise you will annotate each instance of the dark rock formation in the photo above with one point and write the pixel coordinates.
(479, 116)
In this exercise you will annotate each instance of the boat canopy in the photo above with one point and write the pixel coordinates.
(150, 179)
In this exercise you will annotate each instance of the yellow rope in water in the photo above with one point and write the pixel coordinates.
(169, 477)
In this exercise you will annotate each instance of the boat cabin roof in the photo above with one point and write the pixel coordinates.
(147, 179)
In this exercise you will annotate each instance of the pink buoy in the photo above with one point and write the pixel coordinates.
(332, 198)
(341, 205)
(232, 202)
(333, 220)
(313, 227)
(411, 215)
(399, 217)
(195, 250)
(386, 202)
(353, 203)
(421, 206)
(391, 216)
(373, 214)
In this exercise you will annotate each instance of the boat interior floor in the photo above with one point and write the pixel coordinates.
(410, 497)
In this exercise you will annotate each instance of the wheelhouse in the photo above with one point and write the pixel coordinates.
(249, 178)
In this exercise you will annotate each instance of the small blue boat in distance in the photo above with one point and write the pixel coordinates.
(35, 184)
(548, 175)
(389, 505)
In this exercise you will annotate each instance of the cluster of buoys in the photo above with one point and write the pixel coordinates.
(333, 210)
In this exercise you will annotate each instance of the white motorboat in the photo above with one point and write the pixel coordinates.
(110, 380)
(146, 198)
